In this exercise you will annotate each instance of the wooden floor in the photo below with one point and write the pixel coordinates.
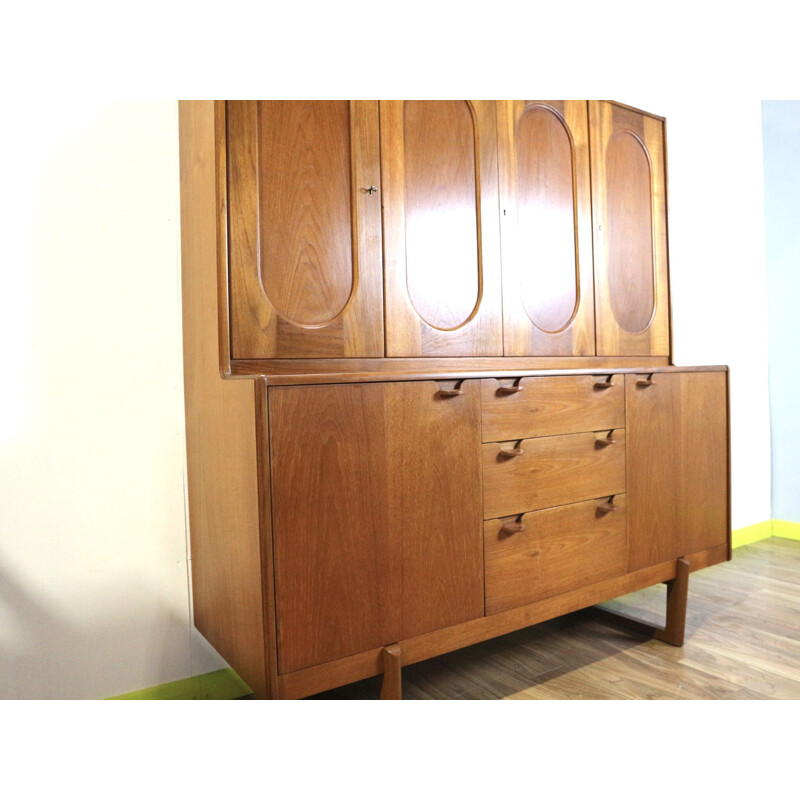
(742, 642)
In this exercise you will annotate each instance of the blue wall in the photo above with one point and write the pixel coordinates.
(781, 119)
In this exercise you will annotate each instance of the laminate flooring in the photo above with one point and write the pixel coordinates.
(742, 643)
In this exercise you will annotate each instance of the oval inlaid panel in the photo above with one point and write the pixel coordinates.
(546, 219)
(304, 207)
(629, 232)
(442, 265)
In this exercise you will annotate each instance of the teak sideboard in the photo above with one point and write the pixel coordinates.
(428, 380)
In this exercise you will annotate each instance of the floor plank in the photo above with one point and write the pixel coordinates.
(742, 643)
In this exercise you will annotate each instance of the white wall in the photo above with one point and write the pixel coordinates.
(93, 580)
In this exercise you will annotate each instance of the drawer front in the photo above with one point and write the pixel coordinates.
(549, 406)
(551, 471)
(559, 549)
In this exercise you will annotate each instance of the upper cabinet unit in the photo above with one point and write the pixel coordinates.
(444, 228)
(630, 231)
(546, 224)
(304, 228)
(441, 228)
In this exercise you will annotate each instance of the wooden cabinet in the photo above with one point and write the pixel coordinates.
(401, 440)
(441, 228)
(376, 515)
(677, 464)
(630, 231)
(546, 223)
(304, 229)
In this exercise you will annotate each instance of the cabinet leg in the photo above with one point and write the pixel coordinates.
(677, 595)
(392, 687)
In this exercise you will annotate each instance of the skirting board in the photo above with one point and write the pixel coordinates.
(225, 684)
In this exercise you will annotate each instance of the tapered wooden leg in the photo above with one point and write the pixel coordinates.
(392, 687)
(677, 595)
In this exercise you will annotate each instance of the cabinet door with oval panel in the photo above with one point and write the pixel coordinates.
(304, 229)
(441, 228)
(546, 228)
(630, 231)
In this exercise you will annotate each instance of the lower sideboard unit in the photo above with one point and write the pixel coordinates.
(342, 530)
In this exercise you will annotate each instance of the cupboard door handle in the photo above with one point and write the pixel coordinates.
(512, 527)
(452, 392)
(606, 441)
(648, 381)
(513, 389)
(606, 384)
(370, 190)
(604, 508)
(511, 452)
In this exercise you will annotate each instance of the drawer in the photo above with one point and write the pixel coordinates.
(551, 471)
(558, 550)
(551, 405)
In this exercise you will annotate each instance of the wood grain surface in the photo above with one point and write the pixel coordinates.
(559, 549)
(548, 297)
(552, 471)
(305, 236)
(677, 465)
(377, 519)
(441, 228)
(630, 231)
(552, 405)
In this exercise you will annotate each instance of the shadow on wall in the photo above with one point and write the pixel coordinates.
(46, 655)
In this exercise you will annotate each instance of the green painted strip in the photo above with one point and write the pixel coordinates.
(224, 684)
(786, 530)
(752, 533)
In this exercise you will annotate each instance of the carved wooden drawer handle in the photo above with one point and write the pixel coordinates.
(454, 392)
(512, 527)
(606, 384)
(608, 506)
(513, 389)
(648, 381)
(606, 441)
(511, 452)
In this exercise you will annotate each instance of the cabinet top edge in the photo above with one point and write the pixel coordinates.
(294, 374)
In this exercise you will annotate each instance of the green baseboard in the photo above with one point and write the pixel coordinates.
(786, 530)
(752, 533)
(224, 684)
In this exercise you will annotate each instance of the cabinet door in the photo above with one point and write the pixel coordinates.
(546, 228)
(677, 464)
(441, 228)
(304, 229)
(630, 231)
(377, 527)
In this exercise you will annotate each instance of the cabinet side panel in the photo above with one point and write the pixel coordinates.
(220, 430)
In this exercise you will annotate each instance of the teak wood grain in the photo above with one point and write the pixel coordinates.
(377, 519)
(630, 231)
(305, 234)
(546, 227)
(558, 549)
(677, 465)
(222, 467)
(552, 471)
(545, 406)
(441, 228)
